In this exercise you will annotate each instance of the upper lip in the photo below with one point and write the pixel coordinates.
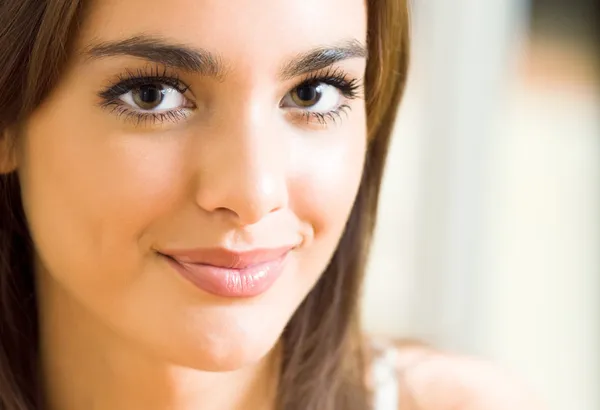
(225, 258)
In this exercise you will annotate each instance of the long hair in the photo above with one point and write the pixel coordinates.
(323, 364)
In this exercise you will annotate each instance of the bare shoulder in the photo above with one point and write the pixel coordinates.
(433, 380)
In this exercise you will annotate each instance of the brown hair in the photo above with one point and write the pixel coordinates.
(323, 363)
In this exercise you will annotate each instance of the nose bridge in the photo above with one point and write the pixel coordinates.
(245, 175)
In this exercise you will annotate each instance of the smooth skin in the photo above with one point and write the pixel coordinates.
(242, 166)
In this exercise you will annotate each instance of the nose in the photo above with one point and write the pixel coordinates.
(243, 171)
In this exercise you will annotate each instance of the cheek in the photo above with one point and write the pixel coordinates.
(325, 181)
(89, 193)
(322, 193)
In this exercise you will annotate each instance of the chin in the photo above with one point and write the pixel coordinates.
(219, 351)
(226, 361)
(224, 358)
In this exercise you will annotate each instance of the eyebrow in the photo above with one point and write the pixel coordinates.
(160, 51)
(206, 63)
(322, 57)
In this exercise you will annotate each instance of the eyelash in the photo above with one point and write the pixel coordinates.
(130, 80)
(133, 79)
(338, 79)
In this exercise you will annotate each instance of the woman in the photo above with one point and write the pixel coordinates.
(188, 192)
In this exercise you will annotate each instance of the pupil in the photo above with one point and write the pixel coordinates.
(150, 94)
(308, 93)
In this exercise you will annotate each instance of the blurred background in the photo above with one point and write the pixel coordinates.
(488, 240)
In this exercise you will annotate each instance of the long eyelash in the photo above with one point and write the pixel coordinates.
(350, 88)
(324, 118)
(141, 119)
(131, 79)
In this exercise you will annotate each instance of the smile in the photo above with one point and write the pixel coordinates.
(231, 274)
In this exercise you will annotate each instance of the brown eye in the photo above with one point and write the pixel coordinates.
(315, 96)
(307, 95)
(149, 96)
(155, 97)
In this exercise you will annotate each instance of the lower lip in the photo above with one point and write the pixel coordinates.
(231, 283)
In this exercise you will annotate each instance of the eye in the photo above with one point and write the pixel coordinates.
(154, 97)
(315, 96)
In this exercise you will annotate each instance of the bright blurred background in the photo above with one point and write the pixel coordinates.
(488, 241)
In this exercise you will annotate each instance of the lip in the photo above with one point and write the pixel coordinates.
(227, 273)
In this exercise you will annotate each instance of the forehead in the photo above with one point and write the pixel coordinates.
(243, 31)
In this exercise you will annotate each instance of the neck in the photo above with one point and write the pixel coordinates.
(87, 366)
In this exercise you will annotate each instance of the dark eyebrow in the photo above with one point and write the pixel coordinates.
(161, 51)
(206, 63)
(322, 57)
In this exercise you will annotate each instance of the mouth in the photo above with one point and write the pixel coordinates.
(227, 273)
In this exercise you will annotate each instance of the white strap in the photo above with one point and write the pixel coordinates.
(386, 381)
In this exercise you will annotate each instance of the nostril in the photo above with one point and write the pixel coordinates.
(246, 190)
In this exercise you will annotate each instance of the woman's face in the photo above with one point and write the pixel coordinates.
(190, 176)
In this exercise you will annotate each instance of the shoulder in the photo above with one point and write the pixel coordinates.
(428, 379)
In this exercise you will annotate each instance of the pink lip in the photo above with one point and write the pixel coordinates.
(227, 273)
